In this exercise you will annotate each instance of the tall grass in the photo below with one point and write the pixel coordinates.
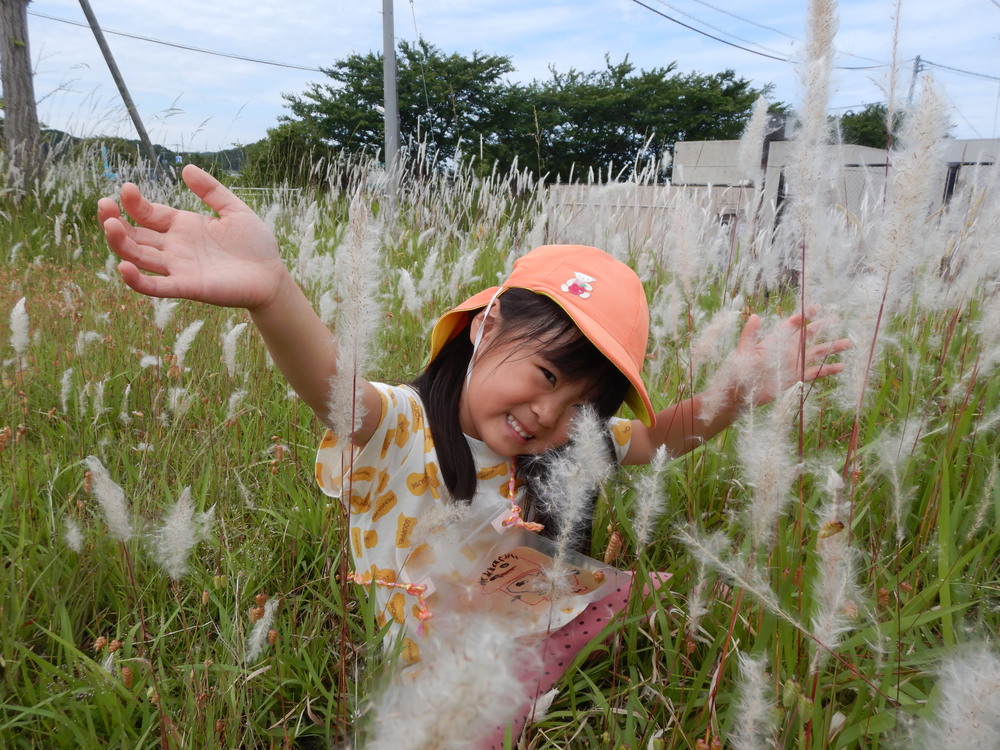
(820, 586)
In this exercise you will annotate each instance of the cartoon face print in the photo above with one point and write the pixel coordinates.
(522, 574)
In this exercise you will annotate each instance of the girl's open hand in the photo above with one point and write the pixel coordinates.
(786, 355)
(231, 260)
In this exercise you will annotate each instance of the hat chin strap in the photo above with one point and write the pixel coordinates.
(479, 334)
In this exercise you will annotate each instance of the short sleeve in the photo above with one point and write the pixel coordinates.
(333, 459)
(621, 436)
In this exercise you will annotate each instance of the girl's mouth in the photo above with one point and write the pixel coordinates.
(516, 427)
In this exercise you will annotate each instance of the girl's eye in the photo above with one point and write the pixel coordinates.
(548, 375)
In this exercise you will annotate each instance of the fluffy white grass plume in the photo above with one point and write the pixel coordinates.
(968, 713)
(359, 280)
(665, 313)
(406, 290)
(72, 535)
(697, 606)
(124, 416)
(893, 77)
(988, 329)
(893, 450)
(258, 633)
(770, 464)
(179, 400)
(749, 160)
(985, 502)
(181, 530)
(431, 276)
(183, 343)
(304, 236)
(229, 341)
(751, 150)
(835, 591)
(740, 376)
(111, 498)
(902, 248)
(715, 340)
(19, 327)
(712, 551)
(573, 475)
(753, 727)
(85, 337)
(71, 294)
(465, 686)
(650, 499)
(811, 173)
(65, 388)
(233, 406)
(97, 399)
(906, 247)
(163, 311)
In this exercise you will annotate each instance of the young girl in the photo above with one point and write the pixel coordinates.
(508, 371)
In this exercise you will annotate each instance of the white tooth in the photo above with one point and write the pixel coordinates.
(517, 428)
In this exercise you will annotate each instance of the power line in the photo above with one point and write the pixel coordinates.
(716, 28)
(747, 20)
(959, 70)
(789, 59)
(710, 36)
(794, 38)
(187, 47)
(747, 49)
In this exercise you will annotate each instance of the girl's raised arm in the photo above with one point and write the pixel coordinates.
(231, 260)
(757, 371)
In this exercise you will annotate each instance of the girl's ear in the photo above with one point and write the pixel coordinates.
(488, 320)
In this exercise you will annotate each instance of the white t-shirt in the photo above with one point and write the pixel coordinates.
(403, 528)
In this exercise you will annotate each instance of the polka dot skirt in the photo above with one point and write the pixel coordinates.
(560, 647)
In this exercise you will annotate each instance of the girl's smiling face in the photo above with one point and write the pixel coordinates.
(516, 401)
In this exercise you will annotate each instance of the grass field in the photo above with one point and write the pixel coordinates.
(834, 555)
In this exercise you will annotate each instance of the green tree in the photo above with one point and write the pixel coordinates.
(289, 155)
(563, 127)
(613, 118)
(868, 127)
(443, 100)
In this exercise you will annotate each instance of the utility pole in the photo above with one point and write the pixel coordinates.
(391, 97)
(22, 133)
(913, 81)
(120, 83)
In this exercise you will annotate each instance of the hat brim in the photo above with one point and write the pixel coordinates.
(637, 398)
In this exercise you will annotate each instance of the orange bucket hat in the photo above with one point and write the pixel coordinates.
(602, 295)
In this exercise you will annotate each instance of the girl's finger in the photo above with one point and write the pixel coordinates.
(151, 286)
(749, 334)
(121, 241)
(155, 216)
(821, 371)
(216, 195)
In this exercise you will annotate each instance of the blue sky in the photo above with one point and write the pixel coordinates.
(191, 101)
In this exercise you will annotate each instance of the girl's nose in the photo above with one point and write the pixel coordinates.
(548, 410)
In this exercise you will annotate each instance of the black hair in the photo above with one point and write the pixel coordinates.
(534, 319)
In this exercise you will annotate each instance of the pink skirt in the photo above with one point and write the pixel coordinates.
(560, 647)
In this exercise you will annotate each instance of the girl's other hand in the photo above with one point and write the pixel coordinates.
(230, 260)
(769, 365)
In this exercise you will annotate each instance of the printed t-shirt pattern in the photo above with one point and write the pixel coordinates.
(394, 482)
